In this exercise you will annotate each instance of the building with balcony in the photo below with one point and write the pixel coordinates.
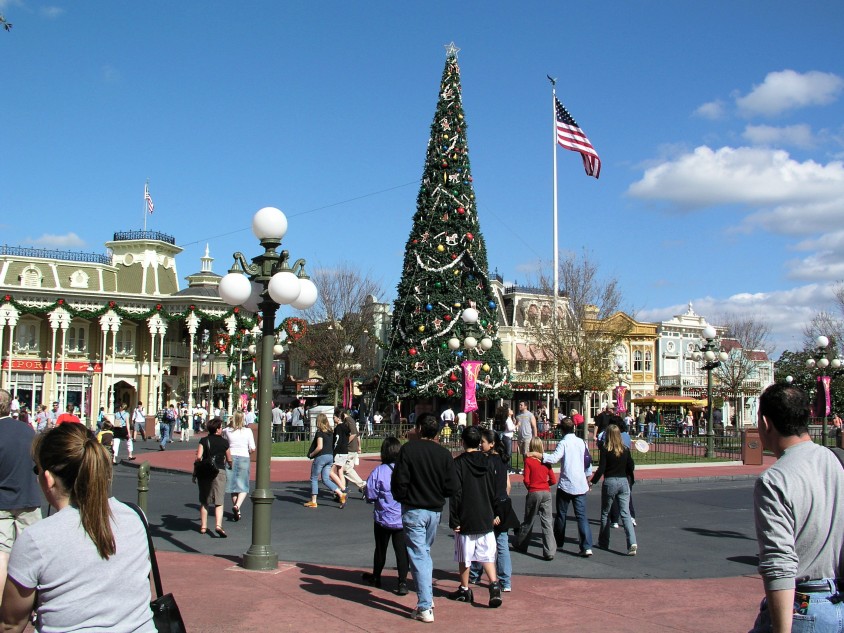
(101, 330)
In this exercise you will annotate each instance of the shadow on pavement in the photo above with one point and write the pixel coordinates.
(719, 533)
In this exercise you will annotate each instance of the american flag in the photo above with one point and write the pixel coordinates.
(148, 198)
(570, 136)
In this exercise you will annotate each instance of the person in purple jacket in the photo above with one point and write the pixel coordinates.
(387, 515)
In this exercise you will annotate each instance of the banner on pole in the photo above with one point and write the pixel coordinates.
(620, 392)
(471, 369)
(822, 397)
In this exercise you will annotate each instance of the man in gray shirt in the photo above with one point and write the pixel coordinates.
(525, 427)
(798, 504)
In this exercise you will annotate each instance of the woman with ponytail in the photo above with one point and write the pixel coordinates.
(92, 540)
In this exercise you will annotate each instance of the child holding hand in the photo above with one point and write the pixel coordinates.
(539, 478)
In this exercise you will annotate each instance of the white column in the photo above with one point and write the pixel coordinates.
(151, 385)
(54, 395)
(2, 331)
(102, 385)
(11, 355)
(162, 331)
(63, 399)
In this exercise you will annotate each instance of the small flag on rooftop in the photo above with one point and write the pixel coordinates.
(148, 198)
(571, 137)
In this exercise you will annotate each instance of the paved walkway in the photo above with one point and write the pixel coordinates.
(313, 598)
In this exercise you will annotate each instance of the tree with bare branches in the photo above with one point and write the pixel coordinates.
(339, 343)
(587, 333)
(745, 338)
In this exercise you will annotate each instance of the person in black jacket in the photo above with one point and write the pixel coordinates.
(472, 517)
(616, 467)
(422, 480)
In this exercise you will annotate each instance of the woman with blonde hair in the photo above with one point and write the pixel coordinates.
(616, 467)
(322, 452)
(241, 445)
(92, 540)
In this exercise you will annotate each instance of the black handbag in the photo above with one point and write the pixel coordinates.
(205, 468)
(165, 612)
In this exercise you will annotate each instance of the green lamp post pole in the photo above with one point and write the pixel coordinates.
(265, 284)
(707, 352)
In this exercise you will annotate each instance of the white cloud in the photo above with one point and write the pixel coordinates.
(794, 197)
(713, 110)
(825, 259)
(69, 240)
(785, 311)
(52, 13)
(793, 135)
(788, 90)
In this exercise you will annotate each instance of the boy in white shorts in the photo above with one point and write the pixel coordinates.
(472, 518)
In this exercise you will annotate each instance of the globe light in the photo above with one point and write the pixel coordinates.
(470, 315)
(269, 223)
(835, 363)
(307, 294)
(810, 363)
(723, 356)
(252, 349)
(255, 297)
(470, 342)
(709, 355)
(453, 343)
(697, 355)
(822, 341)
(789, 379)
(709, 332)
(486, 343)
(284, 287)
(278, 350)
(234, 289)
(823, 363)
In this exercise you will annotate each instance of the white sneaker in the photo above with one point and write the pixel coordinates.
(615, 525)
(423, 615)
(506, 589)
(586, 553)
(633, 549)
(634, 522)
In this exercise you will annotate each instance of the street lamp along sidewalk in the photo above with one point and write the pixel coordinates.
(706, 352)
(821, 362)
(268, 282)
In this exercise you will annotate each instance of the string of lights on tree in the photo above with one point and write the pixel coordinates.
(445, 311)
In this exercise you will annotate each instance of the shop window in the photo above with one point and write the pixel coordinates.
(649, 365)
(26, 337)
(124, 345)
(637, 360)
(31, 277)
(76, 339)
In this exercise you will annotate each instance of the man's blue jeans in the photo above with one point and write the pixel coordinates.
(322, 464)
(584, 531)
(420, 529)
(503, 564)
(821, 616)
(165, 433)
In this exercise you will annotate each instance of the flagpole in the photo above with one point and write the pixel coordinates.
(146, 193)
(555, 402)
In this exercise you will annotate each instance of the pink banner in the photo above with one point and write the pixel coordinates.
(620, 392)
(823, 405)
(471, 369)
(347, 393)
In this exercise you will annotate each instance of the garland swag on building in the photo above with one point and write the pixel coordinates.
(445, 273)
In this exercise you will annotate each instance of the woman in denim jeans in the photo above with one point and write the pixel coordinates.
(323, 456)
(616, 467)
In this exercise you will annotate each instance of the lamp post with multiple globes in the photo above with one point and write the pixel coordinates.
(713, 358)
(469, 316)
(821, 362)
(267, 283)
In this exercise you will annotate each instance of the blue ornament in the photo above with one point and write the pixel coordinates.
(460, 354)
(413, 384)
(429, 307)
(491, 305)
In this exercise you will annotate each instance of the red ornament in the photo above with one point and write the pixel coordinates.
(158, 307)
(453, 256)
(111, 304)
(236, 310)
(461, 210)
(450, 392)
(447, 317)
(60, 302)
(192, 308)
(415, 241)
(453, 377)
(470, 237)
(412, 351)
(8, 297)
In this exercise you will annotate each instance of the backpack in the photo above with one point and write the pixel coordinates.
(169, 416)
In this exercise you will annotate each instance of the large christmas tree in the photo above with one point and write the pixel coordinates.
(445, 280)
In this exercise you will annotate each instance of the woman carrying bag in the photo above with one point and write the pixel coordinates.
(212, 455)
(616, 467)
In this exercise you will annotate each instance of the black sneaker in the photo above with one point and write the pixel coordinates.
(463, 595)
(494, 595)
(402, 589)
(371, 579)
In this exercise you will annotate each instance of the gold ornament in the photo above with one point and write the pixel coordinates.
(421, 328)
(440, 248)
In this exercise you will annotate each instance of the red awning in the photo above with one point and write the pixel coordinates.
(522, 352)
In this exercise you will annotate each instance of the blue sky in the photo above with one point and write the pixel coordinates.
(719, 127)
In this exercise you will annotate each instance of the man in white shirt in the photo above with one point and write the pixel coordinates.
(573, 485)
(139, 420)
(447, 417)
(249, 417)
(278, 422)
